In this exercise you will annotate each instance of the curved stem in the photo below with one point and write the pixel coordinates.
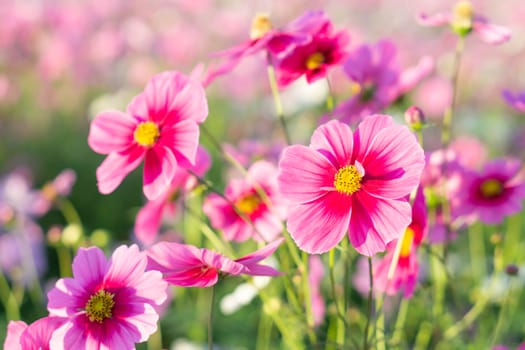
(370, 303)
(467, 320)
(277, 100)
(210, 318)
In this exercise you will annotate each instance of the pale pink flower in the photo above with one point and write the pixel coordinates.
(351, 182)
(188, 266)
(516, 101)
(159, 127)
(315, 277)
(464, 20)
(109, 304)
(36, 336)
(265, 212)
(149, 217)
(493, 193)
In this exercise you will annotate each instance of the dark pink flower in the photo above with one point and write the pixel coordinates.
(464, 20)
(351, 182)
(266, 214)
(188, 266)
(517, 101)
(149, 217)
(36, 336)
(109, 304)
(159, 127)
(492, 194)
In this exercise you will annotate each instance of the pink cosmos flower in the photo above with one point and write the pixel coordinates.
(109, 304)
(492, 194)
(36, 336)
(188, 266)
(517, 101)
(149, 217)
(357, 182)
(464, 20)
(377, 79)
(159, 127)
(266, 214)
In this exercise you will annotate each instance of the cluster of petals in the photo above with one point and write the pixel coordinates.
(464, 20)
(356, 182)
(160, 126)
(491, 194)
(252, 207)
(107, 304)
(377, 79)
(516, 101)
(37, 335)
(149, 217)
(188, 266)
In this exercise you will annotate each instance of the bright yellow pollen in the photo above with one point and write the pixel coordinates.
(347, 180)
(146, 134)
(406, 245)
(315, 61)
(355, 88)
(260, 25)
(99, 306)
(491, 188)
(248, 204)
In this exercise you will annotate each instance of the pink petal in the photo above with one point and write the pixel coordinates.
(366, 132)
(70, 336)
(413, 75)
(135, 329)
(89, 266)
(260, 254)
(183, 140)
(111, 131)
(116, 167)
(148, 220)
(320, 225)
(39, 333)
(491, 33)
(126, 264)
(304, 174)
(159, 168)
(14, 331)
(189, 103)
(358, 63)
(334, 140)
(437, 19)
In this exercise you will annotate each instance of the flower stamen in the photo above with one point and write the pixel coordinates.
(406, 244)
(100, 306)
(347, 180)
(261, 25)
(315, 61)
(491, 188)
(248, 203)
(146, 134)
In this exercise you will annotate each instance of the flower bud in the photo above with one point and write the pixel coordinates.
(463, 14)
(415, 118)
(512, 270)
(260, 25)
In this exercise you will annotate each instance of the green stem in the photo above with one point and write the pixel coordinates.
(277, 100)
(370, 303)
(380, 323)
(467, 320)
(306, 291)
(8, 299)
(210, 318)
(400, 322)
(340, 315)
(64, 260)
(503, 314)
(155, 340)
(69, 212)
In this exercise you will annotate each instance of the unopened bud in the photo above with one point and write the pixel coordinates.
(512, 270)
(415, 118)
(463, 14)
(260, 25)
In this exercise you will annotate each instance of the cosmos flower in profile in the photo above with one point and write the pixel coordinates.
(160, 127)
(356, 182)
(107, 304)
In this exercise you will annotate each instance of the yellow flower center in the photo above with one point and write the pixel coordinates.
(406, 244)
(146, 134)
(347, 180)
(99, 306)
(260, 25)
(315, 61)
(248, 204)
(355, 88)
(491, 188)
(462, 17)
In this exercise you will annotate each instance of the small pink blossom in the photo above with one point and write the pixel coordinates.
(36, 336)
(188, 266)
(516, 101)
(266, 214)
(109, 304)
(351, 182)
(159, 127)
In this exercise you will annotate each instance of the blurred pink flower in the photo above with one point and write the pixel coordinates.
(492, 194)
(377, 79)
(149, 217)
(160, 126)
(315, 276)
(36, 336)
(471, 152)
(188, 266)
(434, 96)
(516, 101)
(351, 182)
(464, 20)
(266, 214)
(109, 304)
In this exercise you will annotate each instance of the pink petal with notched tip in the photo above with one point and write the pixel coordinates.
(491, 33)
(111, 131)
(334, 139)
(112, 171)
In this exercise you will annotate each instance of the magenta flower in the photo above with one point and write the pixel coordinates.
(464, 20)
(266, 214)
(36, 336)
(377, 79)
(159, 127)
(516, 101)
(188, 266)
(109, 304)
(492, 194)
(356, 182)
(149, 217)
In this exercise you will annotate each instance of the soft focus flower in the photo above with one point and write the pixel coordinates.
(517, 101)
(188, 266)
(315, 277)
(377, 79)
(356, 182)
(464, 20)
(265, 210)
(109, 304)
(492, 194)
(149, 217)
(36, 336)
(160, 126)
